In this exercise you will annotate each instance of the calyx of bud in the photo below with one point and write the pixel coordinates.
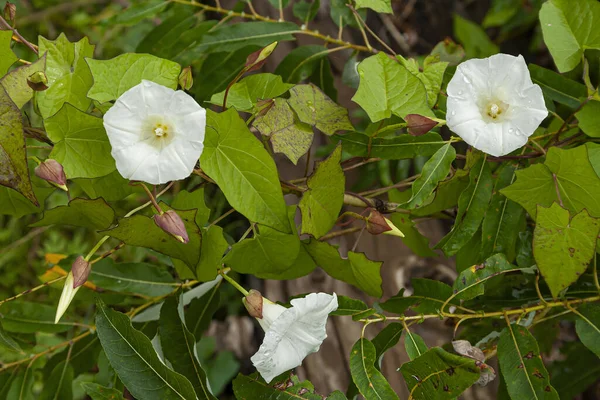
(81, 270)
(257, 59)
(171, 222)
(254, 303)
(51, 171)
(419, 125)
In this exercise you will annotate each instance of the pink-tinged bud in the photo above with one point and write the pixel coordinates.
(419, 125)
(172, 223)
(51, 171)
(81, 270)
(257, 59)
(185, 78)
(254, 303)
(10, 12)
(376, 223)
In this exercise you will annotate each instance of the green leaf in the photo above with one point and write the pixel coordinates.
(369, 381)
(324, 79)
(431, 75)
(563, 246)
(427, 298)
(244, 94)
(93, 214)
(315, 108)
(235, 36)
(15, 82)
(413, 239)
(178, 345)
(568, 29)
(588, 326)
(214, 246)
(386, 88)
(138, 278)
(114, 77)
(69, 77)
(522, 366)
(435, 170)
(83, 356)
(7, 57)
(201, 310)
(99, 392)
(349, 306)
(142, 231)
(185, 200)
(60, 383)
(503, 218)
(414, 344)
(300, 63)
(138, 12)
(321, 203)
(111, 187)
(439, 374)
(306, 10)
(254, 387)
(470, 282)
(243, 170)
(15, 204)
(337, 395)
(165, 39)
(395, 148)
(342, 15)
(80, 143)
(26, 317)
(576, 373)
(589, 118)
(288, 135)
(8, 343)
(181, 47)
(356, 270)
(472, 204)
(476, 42)
(386, 339)
(447, 194)
(134, 359)
(14, 173)
(558, 87)
(381, 6)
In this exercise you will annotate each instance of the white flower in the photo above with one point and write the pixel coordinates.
(292, 333)
(156, 133)
(493, 105)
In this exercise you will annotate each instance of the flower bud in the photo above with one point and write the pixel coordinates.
(419, 125)
(377, 224)
(254, 303)
(38, 81)
(257, 59)
(51, 171)
(66, 297)
(10, 12)
(81, 270)
(172, 223)
(185, 78)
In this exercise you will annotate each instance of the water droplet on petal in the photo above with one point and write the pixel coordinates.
(511, 130)
(453, 113)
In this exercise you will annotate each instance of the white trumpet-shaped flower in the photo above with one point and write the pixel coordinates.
(290, 333)
(493, 105)
(156, 133)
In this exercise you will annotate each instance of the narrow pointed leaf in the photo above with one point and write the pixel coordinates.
(588, 327)
(435, 170)
(369, 381)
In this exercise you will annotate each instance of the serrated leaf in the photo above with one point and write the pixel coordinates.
(69, 77)
(568, 29)
(382, 6)
(243, 95)
(387, 88)
(134, 359)
(313, 107)
(435, 170)
(563, 246)
(14, 172)
(7, 57)
(201, 310)
(472, 204)
(15, 82)
(138, 278)
(321, 203)
(242, 168)
(588, 326)
(558, 87)
(369, 381)
(396, 148)
(27, 317)
(99, 392)
(471, 282)
(439, 374)
(356, 270)
(522, 366)
(80, 143)
(141, 231)
(253, 387)
(60, 383)
(415, 345)
(114, 77)
(94, 214)
(178, 345)
(287, 135)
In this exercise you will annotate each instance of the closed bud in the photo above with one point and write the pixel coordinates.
(81, 270)
(419, 125)
(254, 303)
(185, 78)
(51, 171)
(38, 81)
(172, 223)
(257, 59)
(67, 295)
(377, 224)
(10, 12)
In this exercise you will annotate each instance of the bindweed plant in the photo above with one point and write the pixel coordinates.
(152, 184)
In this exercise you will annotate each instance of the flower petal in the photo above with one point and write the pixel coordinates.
(296, 333)
(156, 97)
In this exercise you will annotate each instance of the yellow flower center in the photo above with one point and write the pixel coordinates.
(495, 109)
(161, 130)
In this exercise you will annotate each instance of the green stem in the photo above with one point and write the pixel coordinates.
(235, 284)
(96, 247)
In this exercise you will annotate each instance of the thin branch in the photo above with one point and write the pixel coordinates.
(17, 36)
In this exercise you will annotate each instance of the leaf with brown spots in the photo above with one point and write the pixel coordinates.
(471, 281)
